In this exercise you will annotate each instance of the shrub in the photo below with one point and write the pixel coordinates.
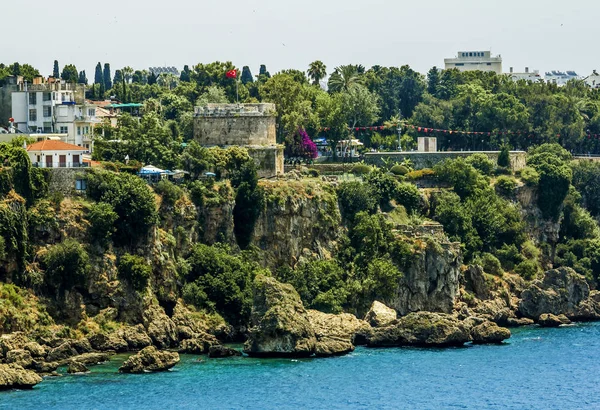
(504, 157)
(408, 196)
(355, 197)
(461, 175)
(135, 270)
(527, 269)
(314, 173)
(506, 185)
(102, 217)
(419, 174)
(169, 192)
(530, 251)
(490, 264)
(530, 176)
(481, 162)
(361, 169)
(509, 256)
(399, 170)
(249, 201)
(384, 186)
(66, 265)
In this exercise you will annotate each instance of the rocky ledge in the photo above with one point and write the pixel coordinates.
(13, 376)
(150, 359)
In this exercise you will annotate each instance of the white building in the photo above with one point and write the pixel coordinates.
(593, 80)
(561, 78)
(527, 75)
(54, 108)
(475, 60)
(55, 154)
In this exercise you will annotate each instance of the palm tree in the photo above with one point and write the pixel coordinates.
(127, 73)
(345, 77)
(316, 71)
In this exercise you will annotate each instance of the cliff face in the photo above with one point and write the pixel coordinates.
(542, 230)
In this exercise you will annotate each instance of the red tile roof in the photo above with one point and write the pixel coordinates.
(53, 145)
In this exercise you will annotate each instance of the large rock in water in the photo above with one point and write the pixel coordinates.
(159, 327)
(150, 359)
(562, 291)
(489, 333)
(380, 315)
(422, 329)
(280, 324)
(550, 320)
(336, 333)
(13, 376)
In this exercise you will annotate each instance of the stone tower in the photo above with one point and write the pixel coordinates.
(251, 126)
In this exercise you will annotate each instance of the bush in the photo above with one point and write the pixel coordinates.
(408, 196)
(249, 202)
(384, 186)
(461, 175)
(490, 264)
(482, 163)
(314, 173)
(504, 157)
(419, 174)
(169, 192)
(527, 269)
(509, 256)
(355, 197)
(530, 176)
(66, 265)
(102, 217)
(361, 169)
(399, 170)
(530, 251)
(506, 185)
(135, 270)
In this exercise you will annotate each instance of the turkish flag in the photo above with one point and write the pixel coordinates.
(231, 74)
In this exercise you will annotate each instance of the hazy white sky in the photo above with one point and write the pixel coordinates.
(545, 35)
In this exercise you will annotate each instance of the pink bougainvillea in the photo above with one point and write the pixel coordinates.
(307, 146)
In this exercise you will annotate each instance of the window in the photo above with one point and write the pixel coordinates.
(78, 130)
(47, 111)
(489, 63)
(460, 64)
(33, 114)
(32, 98)
(63, 129)
(470, 54)
(86, 130)
(80, 184)
(47, 96)
(91, 112)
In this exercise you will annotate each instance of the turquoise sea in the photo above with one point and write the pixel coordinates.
(536, 369)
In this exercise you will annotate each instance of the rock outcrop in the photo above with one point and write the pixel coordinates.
(13, 376)
(380, 315)
(336, 334)
(561, 291)
(108, 342)
(159, 327)
(220, 351)
(76, 367)
(280, 324)
(21, 357)
(550, 320)
(200, 344)
(489, 333)
(422, 329)
(135, 337)
(150, 359)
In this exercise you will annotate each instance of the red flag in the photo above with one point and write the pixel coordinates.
(231, 74)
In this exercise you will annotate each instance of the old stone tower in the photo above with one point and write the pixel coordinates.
(251, 126)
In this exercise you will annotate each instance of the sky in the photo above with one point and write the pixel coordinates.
(544, 35)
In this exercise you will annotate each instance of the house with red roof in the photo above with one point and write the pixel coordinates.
(56, 154)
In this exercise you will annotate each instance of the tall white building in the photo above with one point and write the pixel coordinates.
(57, 108)
(475, 60)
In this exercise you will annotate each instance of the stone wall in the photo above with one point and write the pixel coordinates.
(63, 180)
(235, 124)
(269, 160)
(422, 160)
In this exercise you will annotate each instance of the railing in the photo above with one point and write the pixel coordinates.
(61, 165)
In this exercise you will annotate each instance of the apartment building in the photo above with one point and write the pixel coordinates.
(475, 61)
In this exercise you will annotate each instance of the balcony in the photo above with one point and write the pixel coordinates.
(61, 165)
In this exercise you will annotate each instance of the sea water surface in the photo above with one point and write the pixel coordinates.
(536, 369)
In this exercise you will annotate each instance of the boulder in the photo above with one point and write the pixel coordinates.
(561, 291)
(36, 349)
(489, 333)
(280, 324)
(336, 334)
(159, 327)
(20, 356)
(150, 359)
(108, 342)
(550, 320)
(62, 352)
(517, 322)
(76, 367)
(81, 345)
(219, 351)
(13, 376)
(199, 344)
(380, 315)
(40, 366)
(135, 337)
(189, 322)
(12, 341)
(422, 329)
(474, 280)
(89, 358)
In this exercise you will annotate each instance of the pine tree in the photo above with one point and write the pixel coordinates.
(185, 74)
(246, 75)
(69, 74)
(433, 81)
(98, 78)
(55, 72)
(107, 77)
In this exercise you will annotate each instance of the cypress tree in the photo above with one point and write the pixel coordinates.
(152, 78)
(246, 75)
(55, 71)
(263, 71)
(185, 74)
(118, 77)
(82, 78)
(107, 77)
(98, 77)
(16, 69)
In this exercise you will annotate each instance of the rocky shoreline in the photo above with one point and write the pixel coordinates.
(282, 327)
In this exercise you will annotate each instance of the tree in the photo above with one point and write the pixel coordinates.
(185, 74)
(262, 72)
(107, 77)
(213, 95)
(138, 77)
(67, 265)
(247, 75)
(102, 218)
(98, 76)
(360, 106)
(16, 69)
(344, 77)
(55, 71)
(152, 78)
(70, 74)
(249, 201)
(195, 159)
(118, 77)
(135, 270)
(82, 78)
(317, 71)
(127, 74)
(433, 80)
